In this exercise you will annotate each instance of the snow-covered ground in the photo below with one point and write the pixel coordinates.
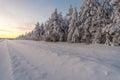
(32, 60)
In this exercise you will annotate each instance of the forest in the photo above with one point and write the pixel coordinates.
(95, 23)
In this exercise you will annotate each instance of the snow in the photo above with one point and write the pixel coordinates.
(5, 63)
(97, 21)
(39, 60)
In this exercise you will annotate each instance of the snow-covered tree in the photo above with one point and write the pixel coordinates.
(36, 34)
(70, 12)
(103, 19)
(38, 31)
(56, 28)
(27, 36)
(116, 4)
(73, 32)
(113, 30)
(86, 20)
(97, 22)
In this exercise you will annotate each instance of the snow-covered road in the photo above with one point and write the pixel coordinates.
(34, 60)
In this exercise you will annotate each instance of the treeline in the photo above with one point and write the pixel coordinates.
(95, 23)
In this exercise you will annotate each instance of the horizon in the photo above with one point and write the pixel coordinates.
(20, 16)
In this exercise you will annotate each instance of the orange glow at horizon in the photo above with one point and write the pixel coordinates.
(9, 34)
(11, 30)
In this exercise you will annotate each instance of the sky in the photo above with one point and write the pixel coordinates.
(19, 16)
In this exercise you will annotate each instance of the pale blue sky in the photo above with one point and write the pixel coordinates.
(20, 15)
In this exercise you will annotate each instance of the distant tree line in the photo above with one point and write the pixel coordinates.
(95, 23)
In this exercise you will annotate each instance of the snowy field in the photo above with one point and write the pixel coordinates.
(32, 60)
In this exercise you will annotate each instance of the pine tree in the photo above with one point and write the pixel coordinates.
(113, 30)
(103, 19)
(96, 23)
(73, 32)
(38, 32)
(116, 4)
(86, 20)
(56, 28)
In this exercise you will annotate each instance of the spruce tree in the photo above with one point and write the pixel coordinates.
(73, 34)
(86, 20)
(56, 28)
(113, 30)
(103, 19)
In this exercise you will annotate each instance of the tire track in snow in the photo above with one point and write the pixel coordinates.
(7, 61)
(58, 49)
(51, 50)
(22, 68)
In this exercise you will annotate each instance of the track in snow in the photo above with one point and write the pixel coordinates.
(30, 60)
